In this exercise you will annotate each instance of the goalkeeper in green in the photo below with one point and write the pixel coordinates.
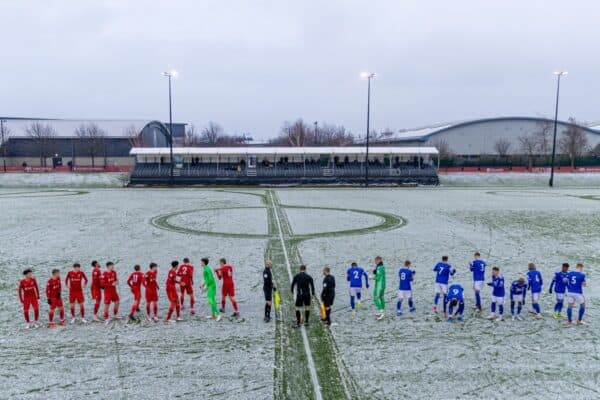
(379, 291)
(210, 285)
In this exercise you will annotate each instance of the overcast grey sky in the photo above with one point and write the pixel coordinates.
(250, 65)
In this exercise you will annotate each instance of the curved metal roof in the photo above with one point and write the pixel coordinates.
(424, 133)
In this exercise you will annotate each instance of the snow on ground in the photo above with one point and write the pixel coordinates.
(193, 359)
(306, 221)
(519, 179)
(62, 180)
(244, 220)
(412, 356)
(415, 357)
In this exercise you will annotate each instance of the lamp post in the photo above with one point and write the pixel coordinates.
(558, 74)
(368, 76)
(170, 75)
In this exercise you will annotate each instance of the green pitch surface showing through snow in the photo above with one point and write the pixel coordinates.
(412, 356)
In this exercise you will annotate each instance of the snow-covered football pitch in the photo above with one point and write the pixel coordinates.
(413, 356)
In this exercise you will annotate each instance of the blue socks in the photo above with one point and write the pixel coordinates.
(581, 312)
(358, 296)
(570, 314)
(558, 306)
(352, 304)
(493, 307)
(478, 300)
(519, 308)
(411, 304)
(536, 307)
(398, 305)
(512, 308)
(501, 309)
(436, 299)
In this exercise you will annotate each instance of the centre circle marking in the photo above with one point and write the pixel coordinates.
(387, 222)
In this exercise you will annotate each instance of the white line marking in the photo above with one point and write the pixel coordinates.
(311, 363)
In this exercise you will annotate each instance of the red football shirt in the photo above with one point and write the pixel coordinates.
(171, 279)
(73, 280)
(96, 277)
(225, 272)
(28, 289)
(150, 281)
(110, 279)
(135, 280)
(53, 288)
(186, 274)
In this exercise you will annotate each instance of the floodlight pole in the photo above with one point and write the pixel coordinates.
(558, 75)
(169, 75)
(369, 77)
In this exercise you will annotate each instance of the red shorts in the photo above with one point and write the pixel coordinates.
(172, 295)
(189, 289)
(110, 296)
(56, 303)
(30, 302)
(137, 294)
(151, 295)
(228, 289)
(76, 297)
(96, 293)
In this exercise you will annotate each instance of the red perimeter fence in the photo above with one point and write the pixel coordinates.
(108, 168)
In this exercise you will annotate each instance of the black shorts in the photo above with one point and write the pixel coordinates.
(327, 301)
(303, 300)
(268, 294)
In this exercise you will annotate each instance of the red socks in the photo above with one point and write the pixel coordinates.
(234, 304)
(82, 310)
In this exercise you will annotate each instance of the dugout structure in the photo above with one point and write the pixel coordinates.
(285, 165)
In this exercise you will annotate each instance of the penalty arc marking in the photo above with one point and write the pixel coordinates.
(311, 364)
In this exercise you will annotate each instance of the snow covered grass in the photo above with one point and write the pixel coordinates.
(63, 180)
(519, 179)
(413, 356)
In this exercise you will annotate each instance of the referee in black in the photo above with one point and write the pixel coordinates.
(305, 290)
(268, 289)
(328, 293)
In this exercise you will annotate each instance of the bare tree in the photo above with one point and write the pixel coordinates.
(134, 136)
(543, 137)
(192, 137)
(502, 147)
(93, 140)
(443, 147)
(211, 133)
(5, 133)
(298, 133)
(528, 145)
(574, 141)
(42, 136)
(294, 134)
(331, 135)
